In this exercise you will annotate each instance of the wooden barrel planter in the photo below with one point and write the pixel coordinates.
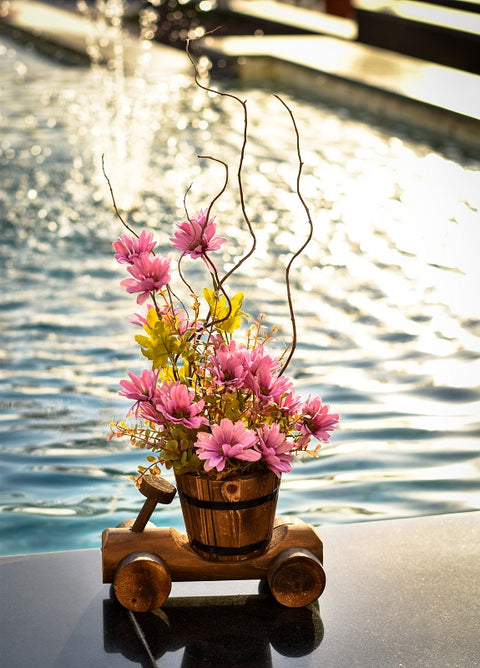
(228, 520)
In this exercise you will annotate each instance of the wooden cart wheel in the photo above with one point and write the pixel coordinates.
(142, 582)
(296, 578)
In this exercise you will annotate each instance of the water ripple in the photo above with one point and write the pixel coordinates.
(386, 298)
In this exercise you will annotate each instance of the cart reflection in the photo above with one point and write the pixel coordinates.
(238, 631)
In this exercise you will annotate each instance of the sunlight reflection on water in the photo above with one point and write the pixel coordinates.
(386, 297)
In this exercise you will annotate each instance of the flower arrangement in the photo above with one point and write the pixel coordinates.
(214, 400)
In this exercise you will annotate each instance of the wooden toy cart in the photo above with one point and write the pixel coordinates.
(142, 561)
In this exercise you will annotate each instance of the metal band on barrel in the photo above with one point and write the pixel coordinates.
(229, 551)
(227, 505)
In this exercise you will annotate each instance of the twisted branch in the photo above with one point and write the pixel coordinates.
(240, 164)
(302, 247)
(113, 199)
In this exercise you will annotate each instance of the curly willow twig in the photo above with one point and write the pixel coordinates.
(302, 247)
(242, 202)
(113, 199)
(240, 164)
(220, 282)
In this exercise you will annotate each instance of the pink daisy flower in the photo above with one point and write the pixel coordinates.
(196, 237)
(266, 385)
(274, 449)
(176, 403)
(150, 274)
(316, 421)
(227, 440)
(130, 247)
(148, 411)
(260, 359)
(229, 365)
(290, 402)
(140, 388)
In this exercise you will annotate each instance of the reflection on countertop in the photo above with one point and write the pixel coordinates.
(236, 631)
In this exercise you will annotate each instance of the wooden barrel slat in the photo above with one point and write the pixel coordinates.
(228, 531)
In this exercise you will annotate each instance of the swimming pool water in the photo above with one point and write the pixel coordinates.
(386, 297)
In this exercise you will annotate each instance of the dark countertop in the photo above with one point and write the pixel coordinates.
(399, 593)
